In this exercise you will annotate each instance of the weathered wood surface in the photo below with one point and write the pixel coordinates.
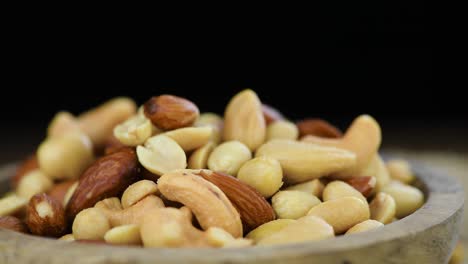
(427, 236)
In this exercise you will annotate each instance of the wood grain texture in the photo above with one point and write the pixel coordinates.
(427, 236)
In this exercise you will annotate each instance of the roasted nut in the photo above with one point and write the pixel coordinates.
(67, 237)
(407, 198)
(12, 204)
(383, 208)
(137, 191)
(90, 223)
(254, 210)
(107, 177)
(307, 228)
(13, 223)
(314, 187)
(59, 191)
(124, 235)
(26, 166)
(218, 237)
(318, 127)
(214, 121)
(262, 173)
(282, 129)
(304, 161)
(229, 157)
(199, 158)
(209, 204)
(134, 131)
(339, 189)
(33, 183)
(377, 169)
(45, 216)
(161, 154)
(271, 114)
(65, 157)
(244, 121)
(363, 138)
(364, 184)
(342, 213)
(400, 170)
(62, 123)
(169, 112)
(364, 226)
(190, 138)
(69, 194)
(268, 229)
(293, 204)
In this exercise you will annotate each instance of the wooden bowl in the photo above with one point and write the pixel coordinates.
(427, 236)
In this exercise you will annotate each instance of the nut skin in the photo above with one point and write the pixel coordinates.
(365, 185)
(271, 114)
(13, 223)
(107, 177)
(50, 224)
(318, 127)
(28, 165)
(59, 190)
(169, 112)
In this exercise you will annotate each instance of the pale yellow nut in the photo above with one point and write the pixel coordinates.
(124, 235)
(377, 169)
(262, 173)
(111, 204)
(383, 208)
(32, 183)
(307, 228)
(218, 237)
(364, 226)
(199, 158)
(90, 224)
(65, 157)
(293, 204)
(282, 129)
(67, 237)
(314, 187)
(342, 213)
(214, 121)
(458, 254)
(305, 161)
(161, 154)
(269, 229)
(407, 198)
(244, 120)
(363, 138)
(229, 157)
(340, 189)
(69, 194)
(134, 131)
(12, 204)
(400, 170)
(62, 123)
(137, 191)
(190, 138)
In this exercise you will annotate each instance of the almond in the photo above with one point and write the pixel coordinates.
(271, 114)
(169, 112)
(59, 190)
(107, 177)
(45, 216)
(13, 223)
(26, 166)
(254, 210)
(318, 127)
(364, 185)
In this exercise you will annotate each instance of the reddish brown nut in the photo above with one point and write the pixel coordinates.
(113, 145)
(271, 114)
(26, 166)
(13, 223)
(107, 177)
(45, 216)
(148, 175)
(254, 210)
(169, 112)
(364, 185)
(318, 127)
(59, 190)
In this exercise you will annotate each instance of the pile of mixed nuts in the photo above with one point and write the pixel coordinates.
(165, 175)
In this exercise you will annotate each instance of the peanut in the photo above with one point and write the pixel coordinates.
(293, 204)
(263, 174)
(282, 129)
(364, 226)
(229, 157)
(339, 189)
(269, 229)
(91, 224)
(407, 198)
(383, 208)
(400, 170)
(314, 187)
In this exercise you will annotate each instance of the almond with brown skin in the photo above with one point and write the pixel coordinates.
(254, 210)
(59, 190)
(271, 114)
(364, 185)
(107, 177)
(13, 223)
(169, 112)
(318, 127)
(45, 216)
(26, 166)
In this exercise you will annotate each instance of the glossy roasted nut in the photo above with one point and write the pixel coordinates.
(161, 154)
(271, 114)
(33, 183)
(169, 112)
(314, 187)
(383, 208)
(262, 173)
(364, 184)
(269, 229)
(318, 127)
(137, 191)
(190, 138)
(229, 157)
(364, 227)
(28, 165)
(282, 129)
(108, 176)
(407, 198)
(293, 204)
(91, 223)
(12, 204)
(199, 158)
(134, 131)
(400, 170)
(13, 223)
(244, 121)
(59, 190)
(304, 161)
(339, 189)
(45, 216)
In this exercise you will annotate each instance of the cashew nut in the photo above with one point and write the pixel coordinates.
(137, 191)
